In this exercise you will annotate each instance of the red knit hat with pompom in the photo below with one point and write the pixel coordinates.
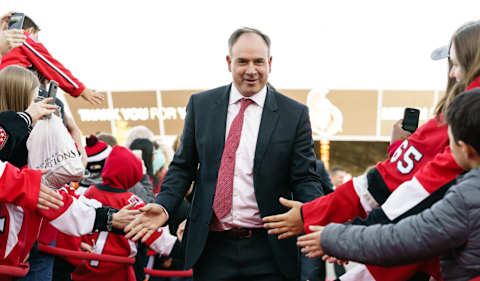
(97, 152)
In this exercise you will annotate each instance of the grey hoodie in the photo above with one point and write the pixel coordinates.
(449, 229)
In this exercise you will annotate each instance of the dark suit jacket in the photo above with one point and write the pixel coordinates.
(324, 178)
(284, 165)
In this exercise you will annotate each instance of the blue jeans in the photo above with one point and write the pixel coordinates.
(41, 267)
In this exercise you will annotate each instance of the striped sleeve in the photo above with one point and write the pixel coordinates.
(432, 180)
(339, 206)
(76, 217)
(162, 241)
(49, 67)
(26, 117)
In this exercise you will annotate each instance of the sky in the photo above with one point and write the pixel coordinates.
(148, 45)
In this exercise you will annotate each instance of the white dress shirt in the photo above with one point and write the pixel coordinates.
(244, 212)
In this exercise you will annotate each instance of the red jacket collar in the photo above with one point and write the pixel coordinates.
(475, 84)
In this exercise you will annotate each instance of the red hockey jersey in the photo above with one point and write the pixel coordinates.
(417, 174)
(22, 188)
(33, 53)
(108, 243)
(117, 179)
(20, 222)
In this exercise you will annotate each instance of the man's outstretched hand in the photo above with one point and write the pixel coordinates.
(287, 224)
(151, 217)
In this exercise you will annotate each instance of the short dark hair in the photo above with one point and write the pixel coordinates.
(147, 148)
(239, 32)
(463, 117)
(28, 22)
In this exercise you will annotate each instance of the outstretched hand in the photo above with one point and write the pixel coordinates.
(287, 224)
(310, 243)
(151, 217)
(92, 96)
(124, 216)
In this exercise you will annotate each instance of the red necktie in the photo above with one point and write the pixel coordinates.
(222, 203)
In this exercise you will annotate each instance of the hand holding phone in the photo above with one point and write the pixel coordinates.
(410, 119)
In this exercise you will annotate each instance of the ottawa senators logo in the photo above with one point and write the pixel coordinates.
(3, 138)
(135, 200)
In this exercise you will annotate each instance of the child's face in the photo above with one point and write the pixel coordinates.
(458, 152)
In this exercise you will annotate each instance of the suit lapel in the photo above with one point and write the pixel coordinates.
(218, 118)
(267, 125)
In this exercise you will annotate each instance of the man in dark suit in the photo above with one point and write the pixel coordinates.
(245, 146)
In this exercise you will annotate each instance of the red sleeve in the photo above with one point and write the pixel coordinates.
(436, 175)
(49, 67)
(441, 170)
(161, 241)
(154, 237)
(339, 206)
(19, 187)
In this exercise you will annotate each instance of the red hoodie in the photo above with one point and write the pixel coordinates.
(122, 170)
(33, 53)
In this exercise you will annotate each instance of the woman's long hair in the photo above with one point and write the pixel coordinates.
(467, 49)
(17, 85)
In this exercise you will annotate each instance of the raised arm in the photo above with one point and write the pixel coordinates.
(423, 236)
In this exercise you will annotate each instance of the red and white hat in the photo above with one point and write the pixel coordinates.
(97, 152)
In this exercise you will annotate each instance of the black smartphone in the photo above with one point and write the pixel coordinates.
(410, 119)
(16, 21)
(52, 91)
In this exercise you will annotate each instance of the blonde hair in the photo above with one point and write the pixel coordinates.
(16, 88)
(467, 48)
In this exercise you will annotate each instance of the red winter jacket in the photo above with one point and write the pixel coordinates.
(34, 54)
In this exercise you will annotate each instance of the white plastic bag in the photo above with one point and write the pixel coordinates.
(50, 146)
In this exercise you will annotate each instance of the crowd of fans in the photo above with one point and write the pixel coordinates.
(89, 215)
(115, 176)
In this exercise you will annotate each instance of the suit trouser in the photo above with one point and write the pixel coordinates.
(231, 259)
